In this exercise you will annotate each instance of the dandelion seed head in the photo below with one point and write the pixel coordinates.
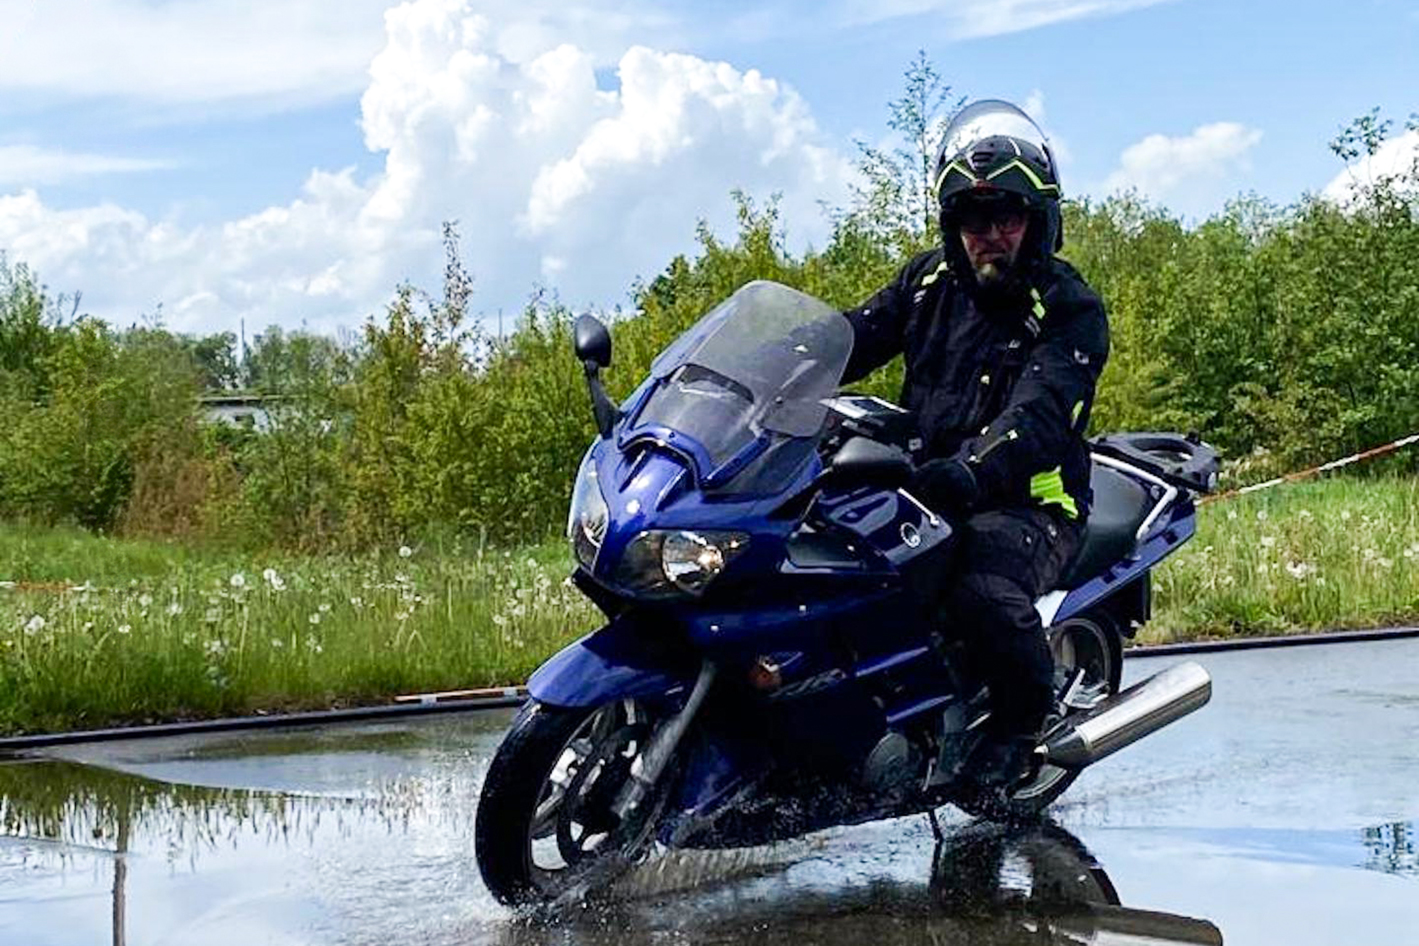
(212, 616)
(125, 628)
(277, 643)
(324, 607)
(145, 600)
(405, 551)
(237, 581)
(174, 609)
(35, 624)
(314, 618)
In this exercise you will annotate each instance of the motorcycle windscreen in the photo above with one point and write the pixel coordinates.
(762, 361)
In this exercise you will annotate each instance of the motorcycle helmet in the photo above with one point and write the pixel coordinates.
(993, 153)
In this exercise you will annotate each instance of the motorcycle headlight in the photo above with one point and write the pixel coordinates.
(588, 516)
(662, 563)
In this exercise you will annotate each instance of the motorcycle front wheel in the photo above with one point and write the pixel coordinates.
(546, 822)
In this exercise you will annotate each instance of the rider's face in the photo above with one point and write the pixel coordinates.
(992, 241)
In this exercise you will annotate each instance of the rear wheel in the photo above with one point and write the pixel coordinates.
(1088, 646)
(547, 819)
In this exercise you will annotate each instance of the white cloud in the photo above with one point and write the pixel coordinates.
(1165, 168)
(977, 18)
(29, 165)
(283, 52)
(1397, 156)
(551, 179)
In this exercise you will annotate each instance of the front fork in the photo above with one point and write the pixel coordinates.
(650, 765)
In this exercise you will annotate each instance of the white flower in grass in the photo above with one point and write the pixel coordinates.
(405, 551)
(314, 618)
(1231, 514)
(237, 581)
(88, 625)
(276, 582)
(124, 628)
(277, 643)
(1305, 514)
(357, 602)
(325, 607)
(212, 616)
(35, 624)
(1261, 515)
(174, 609)
(499, 620)
(1267, 541)
(1344, 515)
(145, 600)
(215, 648)
(1299, 570)
(313, 645)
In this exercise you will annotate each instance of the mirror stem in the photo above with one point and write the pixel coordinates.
(601, 405)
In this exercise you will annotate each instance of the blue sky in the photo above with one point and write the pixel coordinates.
(289, 161)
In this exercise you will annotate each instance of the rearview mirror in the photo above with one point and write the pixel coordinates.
(591, 341)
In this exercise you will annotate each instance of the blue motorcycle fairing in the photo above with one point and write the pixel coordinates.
(615, 662)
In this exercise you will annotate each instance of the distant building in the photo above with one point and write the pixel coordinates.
(237, 409)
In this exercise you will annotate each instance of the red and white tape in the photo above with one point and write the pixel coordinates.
(1316, 470)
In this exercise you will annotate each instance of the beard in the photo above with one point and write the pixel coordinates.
(1000, 283)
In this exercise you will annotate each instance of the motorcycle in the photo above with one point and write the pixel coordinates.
(764, 670)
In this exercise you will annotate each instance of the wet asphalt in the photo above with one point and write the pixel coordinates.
(1283, 812)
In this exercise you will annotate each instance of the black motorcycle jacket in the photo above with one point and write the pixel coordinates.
(1008, 392)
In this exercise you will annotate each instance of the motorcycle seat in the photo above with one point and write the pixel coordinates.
(1119, 506)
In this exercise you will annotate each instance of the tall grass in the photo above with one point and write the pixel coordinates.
(1310, 556)
(96, 631)
(217, 636)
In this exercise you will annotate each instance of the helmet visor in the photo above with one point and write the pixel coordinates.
(990, 118)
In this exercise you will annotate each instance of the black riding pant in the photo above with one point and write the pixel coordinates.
(982, 593)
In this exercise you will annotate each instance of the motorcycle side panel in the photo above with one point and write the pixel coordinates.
(610, 664)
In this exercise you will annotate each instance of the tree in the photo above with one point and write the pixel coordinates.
(899, 201)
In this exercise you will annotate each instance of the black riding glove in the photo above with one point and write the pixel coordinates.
(947, 486)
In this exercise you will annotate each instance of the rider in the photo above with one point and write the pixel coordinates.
(1003, 344)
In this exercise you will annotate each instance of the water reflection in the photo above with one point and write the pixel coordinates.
(1390, 848)
(988, 885)
(63, 813)
(84, 806)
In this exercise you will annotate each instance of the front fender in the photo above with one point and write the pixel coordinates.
(619, 661)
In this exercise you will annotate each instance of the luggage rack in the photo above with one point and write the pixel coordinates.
(1183, 462)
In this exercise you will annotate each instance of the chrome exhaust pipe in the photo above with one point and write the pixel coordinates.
(1127, 717)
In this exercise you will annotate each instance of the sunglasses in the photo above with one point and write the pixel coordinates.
(979, 221)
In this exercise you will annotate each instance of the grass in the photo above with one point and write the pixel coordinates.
(95, 631)
(192, 635)
(1340, 553)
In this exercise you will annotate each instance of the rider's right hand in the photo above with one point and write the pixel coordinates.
(947, 486)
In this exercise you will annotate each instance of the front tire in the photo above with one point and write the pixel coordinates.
(546, 819)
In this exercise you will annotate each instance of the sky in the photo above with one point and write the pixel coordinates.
(214, 164)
